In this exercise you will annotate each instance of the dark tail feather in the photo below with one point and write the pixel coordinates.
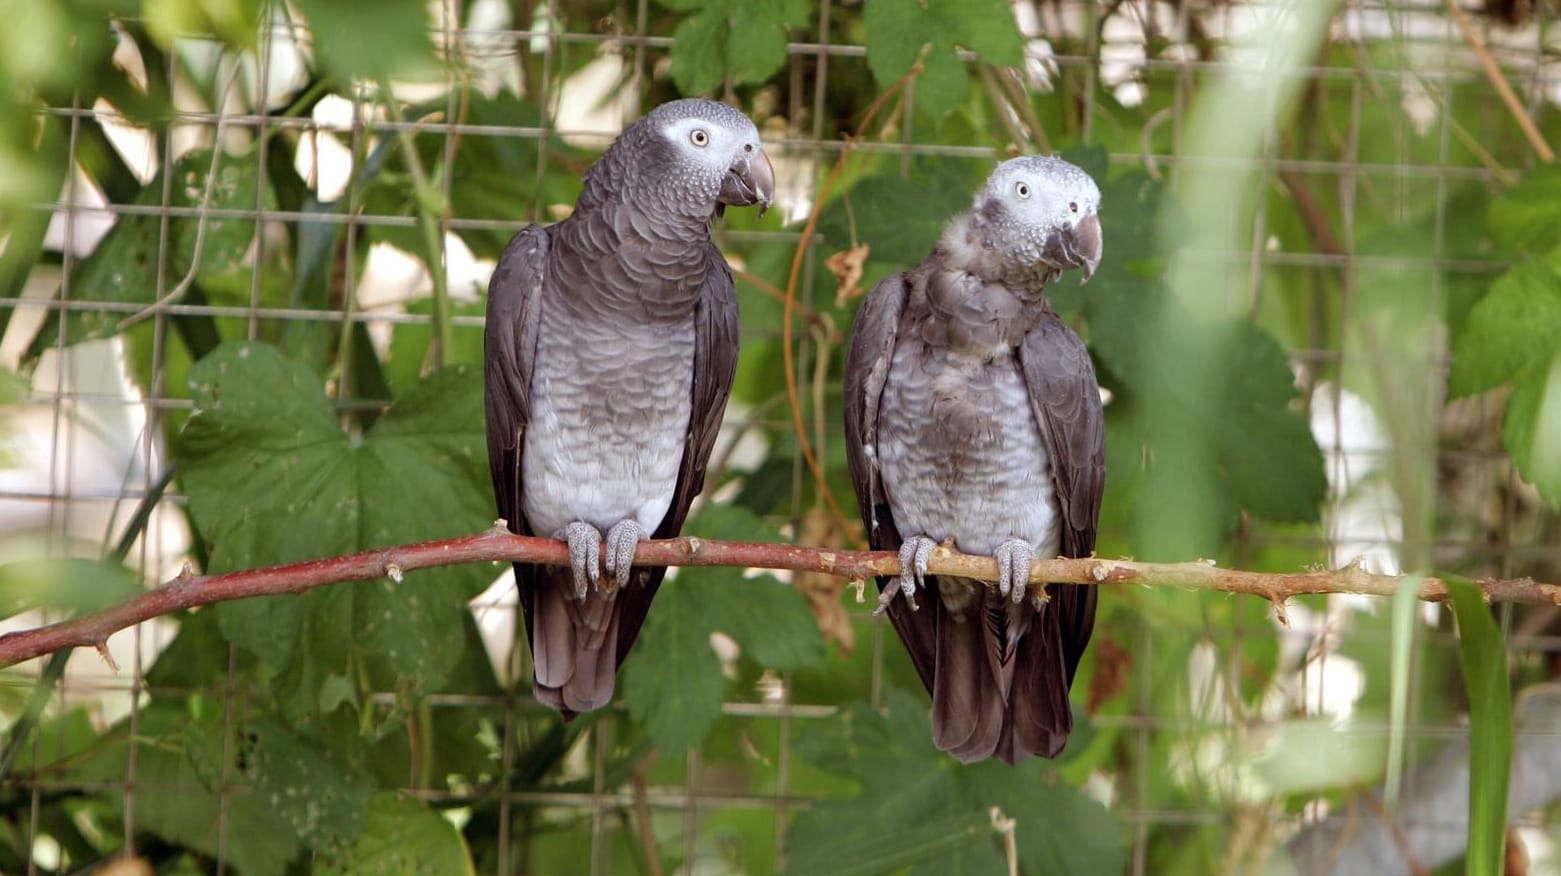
(577, 647)
(967, 707)
(1000, 685)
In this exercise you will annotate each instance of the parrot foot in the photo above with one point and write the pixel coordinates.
(585, 548)
(1013, 569)
(913, 572)
(624, 536)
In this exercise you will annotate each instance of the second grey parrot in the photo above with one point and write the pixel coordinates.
(610, 347)
(973, 415)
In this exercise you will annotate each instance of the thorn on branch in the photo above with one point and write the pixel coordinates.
(101, 646)
(1279, 611)
(393, 571)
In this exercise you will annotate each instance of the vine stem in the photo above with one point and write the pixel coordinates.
(495, 545)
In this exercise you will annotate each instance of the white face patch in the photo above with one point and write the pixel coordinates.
(1043, 192)
(705, 143)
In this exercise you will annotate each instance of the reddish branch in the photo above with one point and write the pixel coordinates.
(497, 545)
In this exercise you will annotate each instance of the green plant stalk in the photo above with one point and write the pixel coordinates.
(430, 205)
(1402, 649)
(1484, 661)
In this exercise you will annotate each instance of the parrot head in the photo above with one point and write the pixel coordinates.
(712, 152)
(1036, 210)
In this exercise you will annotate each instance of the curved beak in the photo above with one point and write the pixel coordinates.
(1077, 247)
(750, 180)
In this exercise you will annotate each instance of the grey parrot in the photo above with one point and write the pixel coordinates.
(973, 416)
(610, 347)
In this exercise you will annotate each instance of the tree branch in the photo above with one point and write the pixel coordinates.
(499, 545)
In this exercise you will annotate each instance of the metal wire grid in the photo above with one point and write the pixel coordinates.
(810, 63)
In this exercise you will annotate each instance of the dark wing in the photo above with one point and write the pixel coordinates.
(868, 358)
(715, 364)
(509, 349)
(1066, 402)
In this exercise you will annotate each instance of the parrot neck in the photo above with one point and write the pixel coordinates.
(968, 246)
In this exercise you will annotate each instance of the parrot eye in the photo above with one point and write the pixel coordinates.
(1074, 206)
(699, 137)
(1022, 190)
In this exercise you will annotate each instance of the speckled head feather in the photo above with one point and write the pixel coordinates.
(1028, 201)
(680, 156)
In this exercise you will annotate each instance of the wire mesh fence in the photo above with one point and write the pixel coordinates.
(216, 189)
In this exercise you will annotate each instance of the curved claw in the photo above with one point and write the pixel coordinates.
(913, 572)
(585, 548)
(1013, 569)
(624, 536)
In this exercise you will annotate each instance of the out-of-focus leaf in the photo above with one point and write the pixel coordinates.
(1484, 659)
(401, 837)
(235, 21)
(673, 683)
(124, 266)
(408, 355)
(1511, 333)
(897, 32)
(67, 584)
(1514, 336)
(272, 478)
(1531, 429)
(900, 217)
(177, 767)
(743, 40)
(357, 40)
(907, 784)
(1526, 219)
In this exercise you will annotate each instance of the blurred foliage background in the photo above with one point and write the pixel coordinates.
(245, 251)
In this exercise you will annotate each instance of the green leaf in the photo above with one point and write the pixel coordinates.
(68, 584)
(271, 478)
(901, 216)
(910, 789)
(366, 40)
(320, 798)
(124, 265)
(1484, 660)
(897, 33)
(1531, 429)
(1511, 332)
(673, 684)
(401, 837)
(756, 46)
(698, 64)
(176, 765)
(1527, 218)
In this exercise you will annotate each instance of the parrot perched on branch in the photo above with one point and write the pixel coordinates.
(973, 416)
(610, 347)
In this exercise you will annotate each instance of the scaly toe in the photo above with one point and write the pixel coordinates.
(585, 546)
(1013, 569)
(622, 539)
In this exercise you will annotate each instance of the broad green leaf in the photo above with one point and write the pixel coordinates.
(901, 217)
(673, 683)
(311, 789)
(272, 478)
(368, 40)
(68, 584)
(1527, 218)
(1531, 429)
(697, 55)
(910, 789)
(743, 40)
(898, 31)
(1511, 332)
(401, 837)
(124, 266)
(176, 791)
(235, 21)
(1484, 659)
